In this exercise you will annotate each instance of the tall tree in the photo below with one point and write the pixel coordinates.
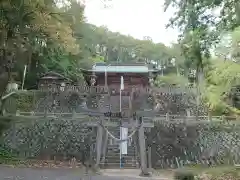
(27, 27)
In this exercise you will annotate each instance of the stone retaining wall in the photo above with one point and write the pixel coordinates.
(42, 138)
(175, 145)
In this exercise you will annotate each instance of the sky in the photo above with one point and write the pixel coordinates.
(137, 18)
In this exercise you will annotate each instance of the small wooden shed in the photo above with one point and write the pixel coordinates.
(51, 79)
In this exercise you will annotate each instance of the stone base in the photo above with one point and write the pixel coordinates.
(145, 174)
(96, 169)
(92, 170)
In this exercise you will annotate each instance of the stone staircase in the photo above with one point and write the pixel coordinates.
(112, 159)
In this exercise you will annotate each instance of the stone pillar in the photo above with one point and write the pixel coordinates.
(188, 112)
(149, 157)
(99, 143)
(167, 117)
(136, 150)
(142, 148)
(131, 120)
(209, 116)
(104, 147)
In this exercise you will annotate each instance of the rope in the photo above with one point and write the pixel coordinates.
(121, 140)
(112, 136)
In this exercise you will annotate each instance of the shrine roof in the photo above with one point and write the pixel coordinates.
(54, 76)
(121, 69)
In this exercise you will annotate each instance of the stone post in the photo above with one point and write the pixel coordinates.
(142, 148)
(188, 112)
(99, 142)
(167, 116)
(149, 157)
(104, 147)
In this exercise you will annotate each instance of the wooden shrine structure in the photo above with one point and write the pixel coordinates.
(53, 79)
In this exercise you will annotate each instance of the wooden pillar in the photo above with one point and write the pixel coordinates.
(142, 148)
(99, 143)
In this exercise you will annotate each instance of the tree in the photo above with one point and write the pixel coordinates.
(200, 31)
(235, 45)
(27, 28)
(222, 80)
(196, 38)
(223, 48)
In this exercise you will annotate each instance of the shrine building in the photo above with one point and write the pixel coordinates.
(138, 75)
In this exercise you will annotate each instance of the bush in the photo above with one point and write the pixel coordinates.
(24, 101)
(217, 173)
(6, 153)
(184, 175)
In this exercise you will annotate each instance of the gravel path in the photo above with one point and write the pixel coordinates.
(8, 173)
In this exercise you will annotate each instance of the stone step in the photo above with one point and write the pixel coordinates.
(133, 161)
(114, 151)
(117, 157)
(117, 151)
(117, 166)
(126, 157)
(116, 146)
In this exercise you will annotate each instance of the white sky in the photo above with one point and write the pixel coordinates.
(137, 18)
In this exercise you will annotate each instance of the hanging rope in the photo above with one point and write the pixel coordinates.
(121, 140)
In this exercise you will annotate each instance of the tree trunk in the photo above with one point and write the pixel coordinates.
(199, 81)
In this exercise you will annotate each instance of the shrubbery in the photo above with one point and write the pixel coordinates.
(184, 175)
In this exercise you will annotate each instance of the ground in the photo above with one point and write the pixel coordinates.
(10, 173)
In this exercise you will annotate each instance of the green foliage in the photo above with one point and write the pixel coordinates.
(47, 37)
(98, 59)
(214, 173)
(171, 79)
(200, 30)
(235, 50)
(184, 175)
(29, 30)
(25, 102)
(5, 153)
(220, 81)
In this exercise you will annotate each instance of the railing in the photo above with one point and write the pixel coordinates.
(195, 120)
(103, 89)
(149, 116)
